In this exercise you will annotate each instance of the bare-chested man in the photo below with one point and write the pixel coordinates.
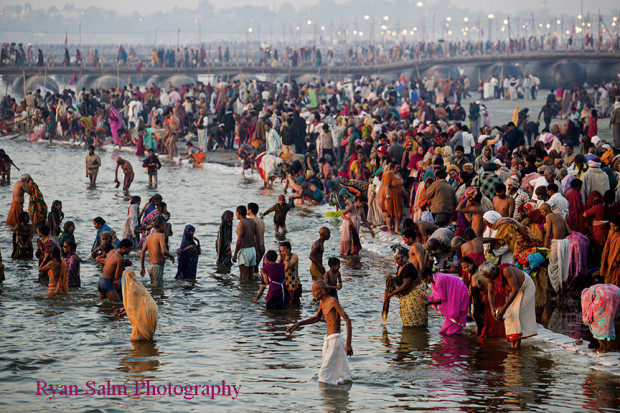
(556, 230)
(155, 244)
(335, 367)
(260, 228)
(417, 253)
(473, 246)
(502, 203)
(127, 170)
(317, 271)
(113, 268)
(17, 205)
(247, 242)
(473, 210)
(425, 229)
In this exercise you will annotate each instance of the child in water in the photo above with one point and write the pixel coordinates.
(152, 165)
(333, 278)
(279, 218)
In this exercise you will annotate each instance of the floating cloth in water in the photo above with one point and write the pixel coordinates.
(333, 214)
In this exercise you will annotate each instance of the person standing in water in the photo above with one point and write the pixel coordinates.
(93, 162)
(247, 242)
(317, 270)
(17, 205)
(155, 244)
(335, 367)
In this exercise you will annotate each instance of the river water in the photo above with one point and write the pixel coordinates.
(208, 331)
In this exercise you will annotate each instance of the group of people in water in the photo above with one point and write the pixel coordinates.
(497, 226)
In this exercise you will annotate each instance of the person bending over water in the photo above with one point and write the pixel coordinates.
(127, 170)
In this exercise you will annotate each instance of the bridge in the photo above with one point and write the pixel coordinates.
(554, 68)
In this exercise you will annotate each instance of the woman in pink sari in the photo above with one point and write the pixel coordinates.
(114, 119)
(450, 297)
(599, 305)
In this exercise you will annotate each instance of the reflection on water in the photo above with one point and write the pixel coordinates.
(143, 357)
(208, 330)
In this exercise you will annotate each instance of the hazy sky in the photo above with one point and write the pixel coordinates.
(126, 7)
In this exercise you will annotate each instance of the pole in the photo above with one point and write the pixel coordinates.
(80, 28)
(24, 81)
(178, 38)
(118, 79)
(45, 77)
(79, 86)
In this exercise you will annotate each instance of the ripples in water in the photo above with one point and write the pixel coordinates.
(208, 330)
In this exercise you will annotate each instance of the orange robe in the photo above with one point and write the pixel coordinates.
(611, 253)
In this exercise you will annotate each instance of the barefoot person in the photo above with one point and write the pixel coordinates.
(335, 367)
(316, 255)
(113, 270)
(599, 304)
(155, 244)
(247, 242)
(17, 205)
(127, 170)
(519, 310)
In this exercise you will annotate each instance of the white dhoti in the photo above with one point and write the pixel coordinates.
(202, 139)
(335, 367)
(559, 263)
(520, 316)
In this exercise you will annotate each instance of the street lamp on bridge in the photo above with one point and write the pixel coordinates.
(199, 31)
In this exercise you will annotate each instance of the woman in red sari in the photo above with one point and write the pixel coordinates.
(601, 212)
(575, 204)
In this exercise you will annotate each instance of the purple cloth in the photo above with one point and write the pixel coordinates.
(579, 246)
(454, 301)
(277, 294)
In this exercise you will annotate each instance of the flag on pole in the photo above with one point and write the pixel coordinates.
(139, 66)
(73, 79)
(65, 39)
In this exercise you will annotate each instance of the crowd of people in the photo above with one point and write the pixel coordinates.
(278, 55)
(498, 222)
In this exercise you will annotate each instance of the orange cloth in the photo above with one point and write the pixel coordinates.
(393, 185)
(140, 307)
(16, 209)
(199, 157)
(611, 253)
(61, 284)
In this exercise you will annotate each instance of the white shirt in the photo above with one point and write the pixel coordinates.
(468, 142)
(558, 204)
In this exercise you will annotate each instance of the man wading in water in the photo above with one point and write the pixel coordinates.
(247, 243)
(155, 244)
(335, 367)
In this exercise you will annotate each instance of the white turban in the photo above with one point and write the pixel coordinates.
(491, 217)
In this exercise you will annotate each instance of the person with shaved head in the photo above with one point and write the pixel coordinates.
(335, 367)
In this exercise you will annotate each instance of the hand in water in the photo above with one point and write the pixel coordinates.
(292, 328)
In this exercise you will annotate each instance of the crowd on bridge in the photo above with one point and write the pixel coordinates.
(499, 219)
(286, 55)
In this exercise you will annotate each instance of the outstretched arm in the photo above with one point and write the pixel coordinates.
(310, 320)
